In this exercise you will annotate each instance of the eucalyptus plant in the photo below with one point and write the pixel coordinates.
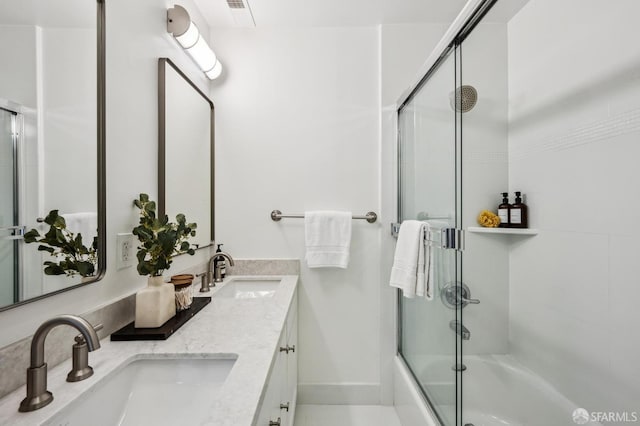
(160, 240)
(72, 256)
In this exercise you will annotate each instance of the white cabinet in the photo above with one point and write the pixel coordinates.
(279, 403)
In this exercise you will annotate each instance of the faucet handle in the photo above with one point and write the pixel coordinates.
(204, 282)
(80, 369)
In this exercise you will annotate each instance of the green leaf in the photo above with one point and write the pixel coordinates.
(50, 219)
(53, 269)
(141, 255)
(85, 268)
(143, 268)
(31, 236)
(45, 248)
(60, 223)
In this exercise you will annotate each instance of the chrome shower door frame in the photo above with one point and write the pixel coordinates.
(449, 46)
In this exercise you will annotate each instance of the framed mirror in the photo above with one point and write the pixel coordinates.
(52, 145)
(186, 151)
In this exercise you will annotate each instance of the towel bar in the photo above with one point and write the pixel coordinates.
(450, 238)
(276, 215)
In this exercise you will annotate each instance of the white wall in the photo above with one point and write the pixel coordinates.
(136, 37)
(574, 113)
(298, 129)
(18, 65)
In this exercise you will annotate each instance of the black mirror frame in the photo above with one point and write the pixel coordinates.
(101, 163)
(162, 102)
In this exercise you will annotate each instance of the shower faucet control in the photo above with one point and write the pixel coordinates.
(457, 295)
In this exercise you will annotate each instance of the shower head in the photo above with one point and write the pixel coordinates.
(464, 98)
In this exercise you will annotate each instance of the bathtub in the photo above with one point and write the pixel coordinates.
(497, 391)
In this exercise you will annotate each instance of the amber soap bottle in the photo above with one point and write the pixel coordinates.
(518, 213)
(503, 210)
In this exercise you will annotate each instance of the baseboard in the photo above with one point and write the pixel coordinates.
(410, 405)
(339, 393)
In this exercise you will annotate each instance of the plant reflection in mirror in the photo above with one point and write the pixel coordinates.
(72, 256)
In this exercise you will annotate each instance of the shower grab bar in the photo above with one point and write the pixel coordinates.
(277, 215)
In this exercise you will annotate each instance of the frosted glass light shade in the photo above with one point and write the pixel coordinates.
(190, 37)
(215, 72)
(203, 55)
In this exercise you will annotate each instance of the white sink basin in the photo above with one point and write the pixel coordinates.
(248, 289)
(154, 391)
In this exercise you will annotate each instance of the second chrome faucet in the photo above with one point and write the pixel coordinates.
(213, 274)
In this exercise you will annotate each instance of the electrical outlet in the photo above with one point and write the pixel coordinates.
(124, 250)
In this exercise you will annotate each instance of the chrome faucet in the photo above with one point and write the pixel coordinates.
(217, 269)
(37, 394)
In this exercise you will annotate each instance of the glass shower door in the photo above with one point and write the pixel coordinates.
(8, 209)
(428, 191)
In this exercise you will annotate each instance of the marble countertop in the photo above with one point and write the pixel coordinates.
(248, 328)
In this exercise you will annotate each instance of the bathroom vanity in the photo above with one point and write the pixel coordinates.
(238, 357)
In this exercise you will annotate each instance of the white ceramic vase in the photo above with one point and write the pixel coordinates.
(155, 304)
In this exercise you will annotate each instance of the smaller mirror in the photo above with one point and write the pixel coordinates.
(186, 151)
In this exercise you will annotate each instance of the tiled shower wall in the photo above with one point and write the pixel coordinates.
(574, 126)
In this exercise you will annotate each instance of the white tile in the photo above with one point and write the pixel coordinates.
(563, 271)
(624, 344)
(346, 415)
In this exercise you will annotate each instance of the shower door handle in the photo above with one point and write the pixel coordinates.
(17, 232)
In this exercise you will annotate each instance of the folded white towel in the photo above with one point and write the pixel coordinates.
(85, 223)
(413, 262)
(327, 238)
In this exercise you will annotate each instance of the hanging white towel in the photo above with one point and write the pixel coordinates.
(413, 261)
(442, 261)
(85, 223)
(327, 238)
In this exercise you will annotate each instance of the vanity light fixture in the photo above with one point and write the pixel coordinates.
(179, 24)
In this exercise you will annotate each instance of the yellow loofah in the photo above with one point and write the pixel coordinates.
(488, 219)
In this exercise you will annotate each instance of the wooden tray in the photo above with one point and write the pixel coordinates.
(129, 332)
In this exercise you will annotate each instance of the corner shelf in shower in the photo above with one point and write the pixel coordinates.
(506, 231)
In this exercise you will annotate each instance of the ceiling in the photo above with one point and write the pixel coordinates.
(347, 13)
